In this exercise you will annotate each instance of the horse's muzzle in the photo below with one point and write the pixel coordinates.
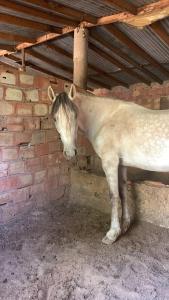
(68, 154)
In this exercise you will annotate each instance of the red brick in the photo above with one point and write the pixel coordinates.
(16, 168)
(41, 149)
(6, 139)
(64, 180)
(23, 137)
(9, 154)
(3, 173)
(6, 108)
(41, 82)
(3, 166)
(15, 182)
(24, 109)
(53, 182)
(47, 123)
(37, 188)
(53, 171)
(38, 137)
(44, 96)
(24, 180)
(40, 176)
(34, 164)
(55, 146)
(26, 152)
(14, 120)
(31, 123)
(13, 127)
(52, 135)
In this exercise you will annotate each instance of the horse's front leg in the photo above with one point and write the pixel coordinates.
(126, 218)
(110, 167)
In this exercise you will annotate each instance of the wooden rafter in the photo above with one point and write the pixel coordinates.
(31, 11)
(115, 62)
(123, 5)
(134, 47)
(120, 54)
(18, 21)
(161, 6)
(160, 31)
(64, 10)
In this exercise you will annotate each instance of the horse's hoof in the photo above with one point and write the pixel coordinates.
(125, 225)
(111, 236)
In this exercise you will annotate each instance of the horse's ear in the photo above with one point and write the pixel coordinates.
(51, 93)
(72, 92)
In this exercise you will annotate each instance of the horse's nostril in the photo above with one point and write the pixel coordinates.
(75, 152)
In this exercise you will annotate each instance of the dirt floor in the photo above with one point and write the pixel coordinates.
(57, 253)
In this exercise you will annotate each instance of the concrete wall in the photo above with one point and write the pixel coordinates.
(32, 167)
(148, 201)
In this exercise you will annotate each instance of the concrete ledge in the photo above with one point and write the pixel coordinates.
(149, 200)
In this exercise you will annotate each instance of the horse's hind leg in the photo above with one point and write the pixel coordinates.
(111, 170)
(126, 219)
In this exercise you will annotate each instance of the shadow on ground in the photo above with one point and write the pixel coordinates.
(57, 253)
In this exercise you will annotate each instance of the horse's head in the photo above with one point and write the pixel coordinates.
(64, 113)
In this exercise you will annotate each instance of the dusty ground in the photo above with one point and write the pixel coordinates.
(57, 254)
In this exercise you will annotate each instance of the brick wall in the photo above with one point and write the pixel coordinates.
(32, 167)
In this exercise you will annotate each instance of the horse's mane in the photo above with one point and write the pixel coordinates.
(62, 100)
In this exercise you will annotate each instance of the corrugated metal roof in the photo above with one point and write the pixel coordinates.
(146, 39)
(140, 3)
(96, 8)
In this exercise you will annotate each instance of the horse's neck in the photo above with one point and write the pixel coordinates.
(93, 113)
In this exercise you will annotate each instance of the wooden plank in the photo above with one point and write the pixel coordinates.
(131, 61)
(160, 31)
(115, 62)
(134, 47)
(22, 22)
(123, 5)
(64, 10)
(32, 11)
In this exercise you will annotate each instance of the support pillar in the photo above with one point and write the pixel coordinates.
(80, 57)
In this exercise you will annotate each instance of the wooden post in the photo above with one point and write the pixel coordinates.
(80, 57)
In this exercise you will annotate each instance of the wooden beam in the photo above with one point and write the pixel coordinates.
(64, 10)
(160, 31)
(115, 62)
(123, 5)
(22, 22)
(32, 11)
(120, 54)
(122, 17)
(80, 57)
(135, 48)
(149, 14)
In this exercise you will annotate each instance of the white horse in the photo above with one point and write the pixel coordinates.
(122, 134)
